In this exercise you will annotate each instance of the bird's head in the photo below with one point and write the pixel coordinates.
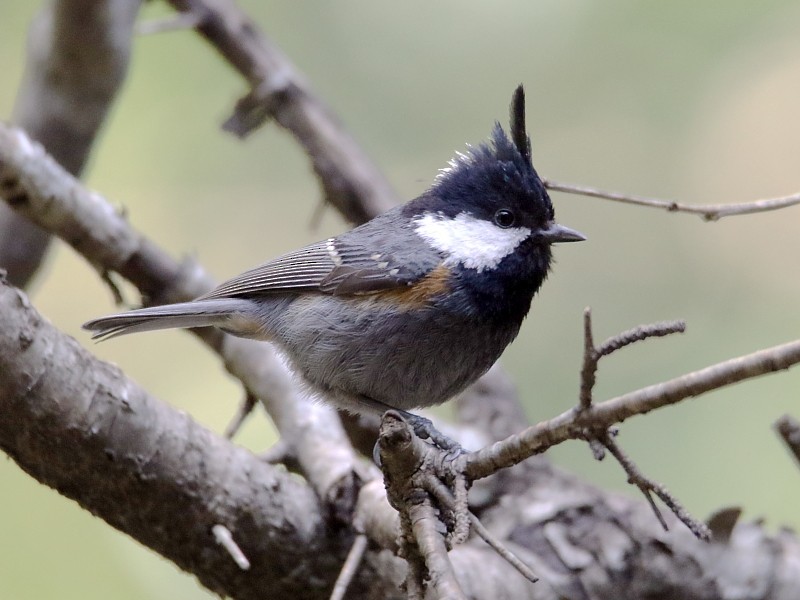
(489, 209)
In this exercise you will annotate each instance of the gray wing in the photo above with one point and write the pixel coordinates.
(334, 266)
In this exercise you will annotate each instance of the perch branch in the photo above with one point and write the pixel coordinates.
(40, 189)
(80, 426)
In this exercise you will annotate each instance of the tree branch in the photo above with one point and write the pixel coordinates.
(349, 179)
(78, 53)
(46, 194)
(443, 582)
(571, 424)
(41, 190)
(81, 427)
(708, 212)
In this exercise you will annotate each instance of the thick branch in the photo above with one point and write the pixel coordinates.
(94, 220)
(41, 190)
(80, 426)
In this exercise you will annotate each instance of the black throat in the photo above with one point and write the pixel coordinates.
(503, 295)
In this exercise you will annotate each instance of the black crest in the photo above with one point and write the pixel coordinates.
(518, 132)
(494, 173)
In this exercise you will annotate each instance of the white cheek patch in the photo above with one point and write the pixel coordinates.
(468, 241)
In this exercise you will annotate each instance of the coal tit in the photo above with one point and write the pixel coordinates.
(408, 309)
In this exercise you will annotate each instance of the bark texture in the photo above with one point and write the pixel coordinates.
(80, 426)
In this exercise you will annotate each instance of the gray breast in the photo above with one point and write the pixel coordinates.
(352, 348)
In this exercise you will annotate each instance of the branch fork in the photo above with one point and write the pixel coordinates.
(428, 485)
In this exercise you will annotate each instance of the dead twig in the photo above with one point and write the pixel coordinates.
(224, 538)
(592, 354)
(445, 498)
(573, 423)
(601, 439)
(708, 212)
(638, 334)
(350, 567)
(453, 503)
(246, 407)
(649, 487)
(504, 552)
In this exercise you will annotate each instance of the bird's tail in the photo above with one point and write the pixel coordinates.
(198, 313)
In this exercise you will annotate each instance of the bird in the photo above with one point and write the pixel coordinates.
(408, 309)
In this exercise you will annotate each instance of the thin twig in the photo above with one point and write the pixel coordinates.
(445, 498)
(504, 552)
(573, 423)
(647, 485)
(350, 567)
(708, 212)
(245, 408)
(638, 334)
(592, 354)
(590, 360)
(224, 538)
(448, 500)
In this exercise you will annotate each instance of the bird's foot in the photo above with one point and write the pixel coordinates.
(424, 429)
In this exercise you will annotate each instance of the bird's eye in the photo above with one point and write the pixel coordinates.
(504, 218)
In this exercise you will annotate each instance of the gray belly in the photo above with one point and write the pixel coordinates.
(402, 359)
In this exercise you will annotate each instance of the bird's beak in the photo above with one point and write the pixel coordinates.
(555, 233)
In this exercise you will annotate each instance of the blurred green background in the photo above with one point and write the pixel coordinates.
(683, 100)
